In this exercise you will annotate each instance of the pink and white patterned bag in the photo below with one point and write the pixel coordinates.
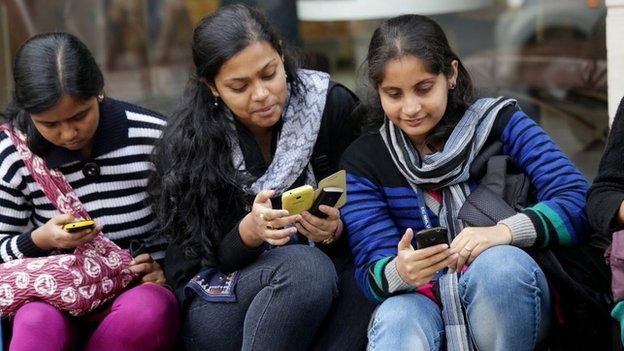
(77, 283)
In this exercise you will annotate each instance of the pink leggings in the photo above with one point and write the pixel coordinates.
(142, 318)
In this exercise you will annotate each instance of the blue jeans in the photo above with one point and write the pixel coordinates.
(282, 298)
(506, 298)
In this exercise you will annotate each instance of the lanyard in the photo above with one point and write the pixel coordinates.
(423, 208)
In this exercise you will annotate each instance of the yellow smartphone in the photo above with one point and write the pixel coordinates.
(298, 199)
(79, 225)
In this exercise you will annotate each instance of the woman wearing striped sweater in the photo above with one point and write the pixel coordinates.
(412, 173)
(102, 147)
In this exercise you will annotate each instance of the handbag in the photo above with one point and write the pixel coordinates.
(78, 282)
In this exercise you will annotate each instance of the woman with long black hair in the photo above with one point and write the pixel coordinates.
(251, 127)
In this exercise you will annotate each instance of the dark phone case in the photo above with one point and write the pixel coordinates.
(430, 237)
(328, 198)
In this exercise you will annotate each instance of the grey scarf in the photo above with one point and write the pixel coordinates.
(448, 170)
(300, 128)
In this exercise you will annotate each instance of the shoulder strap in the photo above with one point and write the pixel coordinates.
(52, 182)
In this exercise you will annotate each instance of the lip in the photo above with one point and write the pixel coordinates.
(265, 111)
(73, 144)
(414, 122)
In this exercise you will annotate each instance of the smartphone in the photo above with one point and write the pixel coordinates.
(328, 196)
(79, 225)
(298, 199)
(430, 237)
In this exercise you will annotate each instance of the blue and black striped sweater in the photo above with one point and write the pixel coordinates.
(381, 204)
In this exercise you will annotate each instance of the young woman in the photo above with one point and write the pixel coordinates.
(251, 127)
(412, 173)
(102, 147)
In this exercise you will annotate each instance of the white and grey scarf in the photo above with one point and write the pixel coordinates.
(448, 170)
(301, 122)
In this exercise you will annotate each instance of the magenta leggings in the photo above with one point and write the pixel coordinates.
(142, 318)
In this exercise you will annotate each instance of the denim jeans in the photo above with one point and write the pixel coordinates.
(504, 293)
(282, 299)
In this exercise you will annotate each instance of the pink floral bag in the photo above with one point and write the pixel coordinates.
(77, 283)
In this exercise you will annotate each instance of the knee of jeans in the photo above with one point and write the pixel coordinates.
(309, 268)
(398, 316)
(38, 315)
(152, 306)
(499, 266)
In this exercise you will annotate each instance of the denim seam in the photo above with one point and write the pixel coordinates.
(372, 331)
(537, 311)
(266, 306)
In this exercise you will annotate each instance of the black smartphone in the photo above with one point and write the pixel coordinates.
(328, 196)
(431, 237)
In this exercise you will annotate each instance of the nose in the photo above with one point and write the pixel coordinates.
(411, 106)
(68, 132)
(260, 92)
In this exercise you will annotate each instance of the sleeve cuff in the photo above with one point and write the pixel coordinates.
(27, 247)
(395, 283)
(523, 232)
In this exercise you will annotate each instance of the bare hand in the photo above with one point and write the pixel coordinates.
(321, 229)
(417, 267)
(145, 265)
(472, 241)
(264, 223)
(52, 235)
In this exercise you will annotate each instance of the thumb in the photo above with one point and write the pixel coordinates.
(264, 196)
(63, 219)
(406, 240)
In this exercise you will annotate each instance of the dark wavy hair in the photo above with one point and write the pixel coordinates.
(47, 67)
(423, 38)
(195, 182)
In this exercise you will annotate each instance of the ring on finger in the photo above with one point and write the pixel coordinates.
(269, 225)
(469, 249)
(261, 216)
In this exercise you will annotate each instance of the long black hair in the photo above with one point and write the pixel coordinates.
(194, 182)
(423, 38)
(47, 67)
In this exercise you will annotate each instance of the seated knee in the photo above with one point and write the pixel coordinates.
(498, 265)
(149, 305)
(38, 315)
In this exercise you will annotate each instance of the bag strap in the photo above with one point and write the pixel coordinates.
(52, 182)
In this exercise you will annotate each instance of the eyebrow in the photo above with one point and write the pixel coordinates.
(73, 116)
(424, 81)
(247, 78)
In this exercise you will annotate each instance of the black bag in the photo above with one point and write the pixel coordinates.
(578, 276)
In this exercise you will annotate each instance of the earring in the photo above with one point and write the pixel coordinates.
(452, 86)
(216, 102)
(285, 75)
(100, 97)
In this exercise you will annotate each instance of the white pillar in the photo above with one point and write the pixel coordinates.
(615, 54)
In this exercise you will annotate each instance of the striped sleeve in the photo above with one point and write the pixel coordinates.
(373, 236)
(15, 211)
(559, 217)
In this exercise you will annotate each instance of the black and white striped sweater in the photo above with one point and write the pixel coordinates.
(115, 198)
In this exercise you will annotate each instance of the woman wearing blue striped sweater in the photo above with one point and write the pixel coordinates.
(412, 173)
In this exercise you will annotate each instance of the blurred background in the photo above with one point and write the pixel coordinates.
(550, 54)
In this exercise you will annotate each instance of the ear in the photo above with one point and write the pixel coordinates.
(212, 88)
(453, 78)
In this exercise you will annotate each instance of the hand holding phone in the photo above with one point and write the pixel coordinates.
(298, 199)
(417, 267)
(329, 197)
